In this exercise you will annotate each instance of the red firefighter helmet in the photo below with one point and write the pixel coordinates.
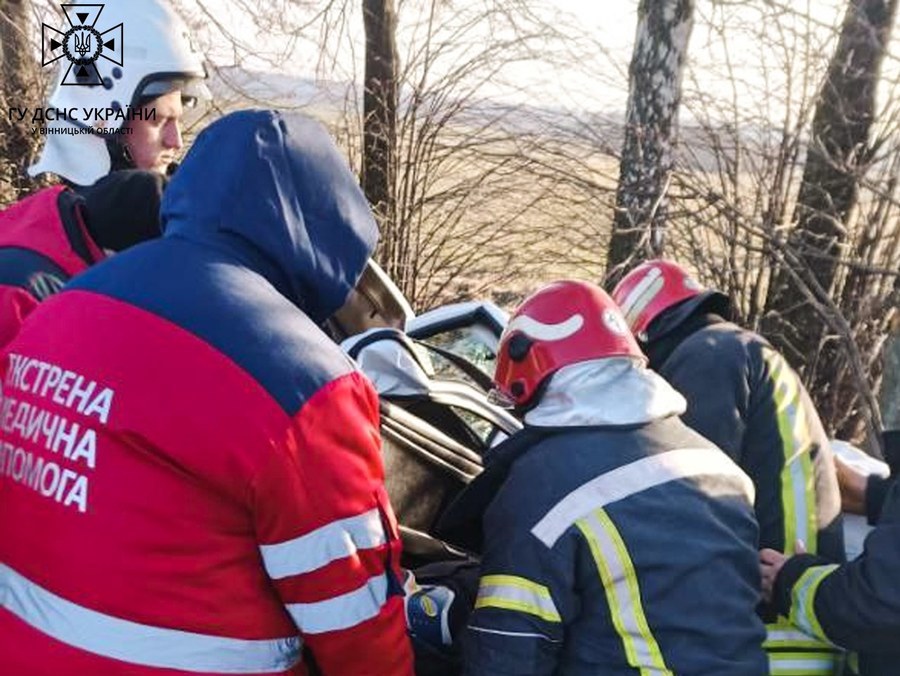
(655, 286)
(564, 323)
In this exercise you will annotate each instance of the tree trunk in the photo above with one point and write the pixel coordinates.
(379, 158)
(660, 49)
(19, 88)
(838, 156)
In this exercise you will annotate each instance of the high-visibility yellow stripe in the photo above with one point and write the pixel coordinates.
(807, 476)
(798, 497)
(793, 652)
(803, 613)
(778, 641)
(623, 595)
(784, 636)
(511, 592)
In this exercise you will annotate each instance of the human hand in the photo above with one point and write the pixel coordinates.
(770, 564)
(852, 483)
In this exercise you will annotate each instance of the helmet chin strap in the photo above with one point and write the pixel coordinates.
(119, 155)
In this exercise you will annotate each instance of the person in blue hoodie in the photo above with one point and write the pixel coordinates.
(615, 540)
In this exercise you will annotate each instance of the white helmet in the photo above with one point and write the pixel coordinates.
(146, 53)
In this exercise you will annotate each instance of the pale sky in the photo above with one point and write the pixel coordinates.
(590, 69)
(595, 76)
(610, 23)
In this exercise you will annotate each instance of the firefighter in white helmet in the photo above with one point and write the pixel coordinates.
(114, 174)
(160, 75)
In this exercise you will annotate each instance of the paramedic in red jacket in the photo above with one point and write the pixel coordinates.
(190, 470)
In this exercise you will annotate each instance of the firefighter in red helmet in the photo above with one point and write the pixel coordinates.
(743, 396)
(586, 513)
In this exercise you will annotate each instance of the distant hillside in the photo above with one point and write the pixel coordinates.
(236, 87)
(277, 88)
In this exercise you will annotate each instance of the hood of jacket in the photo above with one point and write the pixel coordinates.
(274, 192)
(605, 392)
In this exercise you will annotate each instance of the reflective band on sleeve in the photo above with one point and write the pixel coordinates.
(797, 477)
(802, 664)
(336, 540)
(622, 594)
(140, 644)
(636, 477)
(520, 594)
(803, 597)
(341, 612)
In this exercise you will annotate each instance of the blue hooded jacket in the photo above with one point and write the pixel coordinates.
(306, 226)
(262, 218)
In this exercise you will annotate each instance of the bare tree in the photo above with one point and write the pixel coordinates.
(491, 195)
(379, 155)
(485, 195)
(738, 179)
(19, 88)
(660, 50)
(839, 155)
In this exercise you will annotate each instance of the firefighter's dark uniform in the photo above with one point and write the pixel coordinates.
(857, 605)
(617, 550)
(744, 397)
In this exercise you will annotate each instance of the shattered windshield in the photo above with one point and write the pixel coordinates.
(474, 343)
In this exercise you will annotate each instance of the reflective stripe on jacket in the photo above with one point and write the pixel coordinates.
(743, 396)
(855, 605)
(619, 551)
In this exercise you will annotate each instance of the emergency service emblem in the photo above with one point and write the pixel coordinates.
(81, 43)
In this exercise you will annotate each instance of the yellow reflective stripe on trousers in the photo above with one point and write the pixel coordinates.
(798, 497)
(803, 597)
(511, 592)
(802, 664)
(622, 593)
(793, 652)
